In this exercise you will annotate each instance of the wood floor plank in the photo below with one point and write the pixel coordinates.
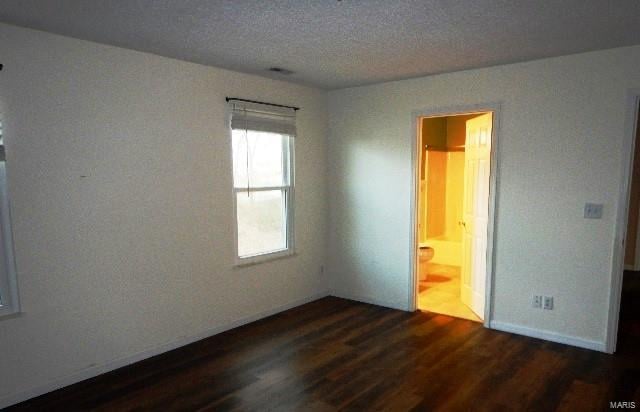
(334, 354)
(582, 396)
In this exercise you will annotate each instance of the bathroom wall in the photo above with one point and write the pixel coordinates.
(436, 193)
(457, 129)
(454, 195)
(434, 134)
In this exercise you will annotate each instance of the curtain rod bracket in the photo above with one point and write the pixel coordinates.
(255, 101)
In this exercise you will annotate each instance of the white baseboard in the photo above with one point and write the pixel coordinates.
(548, 335)
(128, 360)
(631, 268)
(372, 301)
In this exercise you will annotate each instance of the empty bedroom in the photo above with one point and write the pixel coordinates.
(407, 205)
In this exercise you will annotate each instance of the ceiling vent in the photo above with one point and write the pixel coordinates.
(280, 70)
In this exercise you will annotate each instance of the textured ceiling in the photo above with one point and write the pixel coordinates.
(334, 44)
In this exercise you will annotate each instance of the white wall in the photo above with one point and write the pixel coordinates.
(560, 146)
(120, 184)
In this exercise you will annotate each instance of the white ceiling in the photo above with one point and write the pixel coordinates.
(333, 44)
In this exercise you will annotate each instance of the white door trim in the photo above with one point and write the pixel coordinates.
(615, 292)
(495, 108)
(636, 262)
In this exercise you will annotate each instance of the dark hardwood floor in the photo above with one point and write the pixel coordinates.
(335, 354)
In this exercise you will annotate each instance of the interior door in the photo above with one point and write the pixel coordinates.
(476, 212)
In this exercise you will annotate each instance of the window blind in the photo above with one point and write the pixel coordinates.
(263, 118)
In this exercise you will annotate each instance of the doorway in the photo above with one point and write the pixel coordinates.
(625, 334)
(454, 201)
(632, 243)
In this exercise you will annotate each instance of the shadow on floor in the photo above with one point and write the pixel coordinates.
(629, 327)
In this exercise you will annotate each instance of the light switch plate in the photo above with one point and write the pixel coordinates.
(593, 210)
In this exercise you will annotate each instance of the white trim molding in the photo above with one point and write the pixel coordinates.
(496, 110)
(549, 336)
(148, 353)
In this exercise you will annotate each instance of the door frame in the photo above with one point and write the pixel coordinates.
(628, 146)
(496, 109)
(635, 94)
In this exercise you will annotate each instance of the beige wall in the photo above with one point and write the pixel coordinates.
(119, 173)
(432, 199)
(454, 195)
(436, 193)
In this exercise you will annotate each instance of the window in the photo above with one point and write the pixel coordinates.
(8, 289)
(262, 145)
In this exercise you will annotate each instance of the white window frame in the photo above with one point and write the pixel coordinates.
(9, 301)
(288, 166)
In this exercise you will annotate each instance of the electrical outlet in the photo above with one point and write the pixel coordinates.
(536, 302)
(547, 302)
(593, 210)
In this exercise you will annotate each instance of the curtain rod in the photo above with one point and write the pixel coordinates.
(255, 101)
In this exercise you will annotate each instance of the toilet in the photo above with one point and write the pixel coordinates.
(425, 255)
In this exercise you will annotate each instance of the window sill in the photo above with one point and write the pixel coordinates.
(267, 257)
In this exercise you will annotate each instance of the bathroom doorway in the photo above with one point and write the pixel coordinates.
(454, 213)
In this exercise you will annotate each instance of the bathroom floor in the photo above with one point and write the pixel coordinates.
(440, 293)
